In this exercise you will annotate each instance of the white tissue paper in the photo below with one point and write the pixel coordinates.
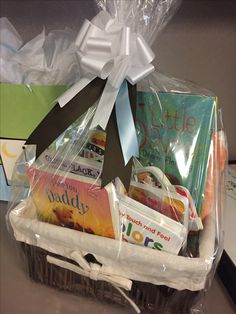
(45, 60)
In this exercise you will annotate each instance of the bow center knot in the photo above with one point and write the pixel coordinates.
(94, 272)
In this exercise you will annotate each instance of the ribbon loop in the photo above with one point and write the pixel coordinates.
(99, 46)
(98, 66)
(125, 41)
(144, 51)
(87, 31)
(135, 74)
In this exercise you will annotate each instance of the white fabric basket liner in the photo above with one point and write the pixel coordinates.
(119, 259)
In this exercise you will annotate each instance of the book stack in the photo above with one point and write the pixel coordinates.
(165, 196)
(68, 193)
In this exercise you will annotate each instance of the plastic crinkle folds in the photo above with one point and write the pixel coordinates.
(122, 181)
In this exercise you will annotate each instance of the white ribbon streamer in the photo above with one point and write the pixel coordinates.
(109, 50)
(71, 92)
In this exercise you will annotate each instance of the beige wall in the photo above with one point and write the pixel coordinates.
(199, 44)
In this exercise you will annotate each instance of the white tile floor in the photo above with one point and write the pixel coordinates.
(19, 295)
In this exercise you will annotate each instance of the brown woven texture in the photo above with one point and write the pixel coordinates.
(148, 297)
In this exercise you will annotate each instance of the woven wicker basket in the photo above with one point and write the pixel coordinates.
(148, 297)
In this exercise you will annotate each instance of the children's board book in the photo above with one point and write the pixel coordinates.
(175, 132)
(144, 226)
(74, 201)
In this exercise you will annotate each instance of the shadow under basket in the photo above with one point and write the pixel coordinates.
(148, 297)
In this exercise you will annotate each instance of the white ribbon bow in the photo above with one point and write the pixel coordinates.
(97, 272)
(108, 49)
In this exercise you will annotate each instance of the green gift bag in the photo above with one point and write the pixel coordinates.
(22, 108)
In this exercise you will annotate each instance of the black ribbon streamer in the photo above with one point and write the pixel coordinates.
(59, 119)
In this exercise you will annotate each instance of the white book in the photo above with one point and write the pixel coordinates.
(144, 226)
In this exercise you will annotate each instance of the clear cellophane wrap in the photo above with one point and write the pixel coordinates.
(165, 228)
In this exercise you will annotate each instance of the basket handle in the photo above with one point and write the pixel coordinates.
(98, 272)
(159, 175)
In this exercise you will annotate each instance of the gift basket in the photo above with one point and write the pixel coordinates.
(118, 193)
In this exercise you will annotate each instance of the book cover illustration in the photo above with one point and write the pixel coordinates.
(174, 201)
(167, 203)
(73, 201)
(175, 132)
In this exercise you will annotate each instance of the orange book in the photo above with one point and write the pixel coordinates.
(74, 201)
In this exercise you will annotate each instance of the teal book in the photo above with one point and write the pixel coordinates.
(175, 132)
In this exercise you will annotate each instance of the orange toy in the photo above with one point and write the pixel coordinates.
(216, 167)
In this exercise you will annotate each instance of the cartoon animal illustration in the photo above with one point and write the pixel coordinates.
(65, 219)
